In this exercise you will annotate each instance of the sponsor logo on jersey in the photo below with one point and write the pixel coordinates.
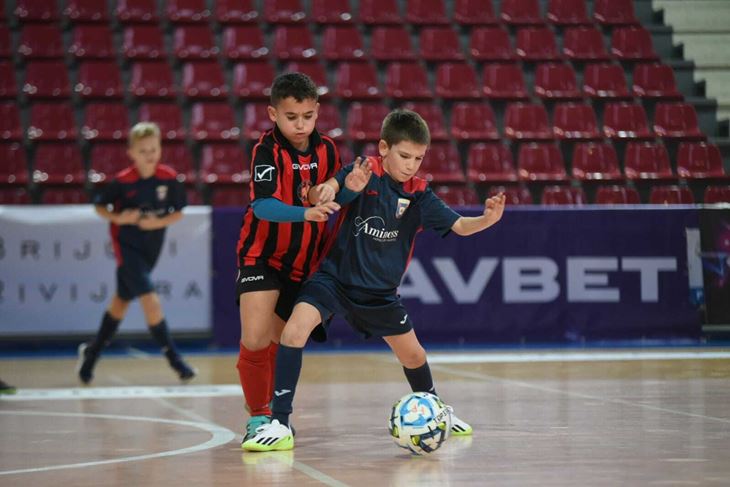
(263, 173)
(161, 193)
(402, 207)
(252, 278)
(303, 167)
(374, 227)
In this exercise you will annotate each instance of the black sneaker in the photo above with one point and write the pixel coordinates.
(85, 365)
(184, 371)
(6, 388)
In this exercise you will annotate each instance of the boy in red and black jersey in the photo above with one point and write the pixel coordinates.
(282, 233)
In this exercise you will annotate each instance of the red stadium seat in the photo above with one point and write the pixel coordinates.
(177, 155)
(556, 81)
(244, 42)
(40, 41)
(36, 10)
(504, 82)
(342, 43)
(473, 121)
(407, 80)
(99, 79)
(536, 44)
(235, 11)
(379, 12)
(331, 12)
(92, 41)
(457, 195)
(575, 121)
(426, 12)
(256, 120)
(364, 120)
(617, 195)
(187, 11)
(391, 43)
(474, 12)
(456, 80)
(622, 120)
(8, 85)
(647, 160)
(540, 162)
(168, 116)
(717, 194)
(490, 163)
(584, 44)
(14, 196)
(614, 12)
(224, 164)
(105, 121)
(525, 121)
(357, 80)
(86, 11)
(137, 11)
(230, 195)
(284, 11)
(193, 196)
(490, 44)
(699, 160)
(5, 43)
(213, 121)
(655, 81)
(442, 164)
(143, 42)
(58, 163)
(555, 195)
(152, 79)
(64, 196)
(514, 195)
(329, 121)
(521, 12)
(10, 128)
(51, 121)
(346, 153)
(567, 12)
(253, 79)
(605, 81)
(677, 121)
(440, 44)
(203, 79)
(314, 70)
(14, 169)
(593, 161)
(433, 115)
(107, 159)
(194, 42)
(671, 195)
(293, 42)
(632, 44)
(46, 79)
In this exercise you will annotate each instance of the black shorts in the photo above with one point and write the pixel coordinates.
(369, 314)
(133, 276)
(261, 277)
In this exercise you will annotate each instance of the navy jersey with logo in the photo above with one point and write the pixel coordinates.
(376, 232)
(278, 170)
(160, 194)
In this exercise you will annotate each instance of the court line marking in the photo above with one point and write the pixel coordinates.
(220, 436)
(620, 356)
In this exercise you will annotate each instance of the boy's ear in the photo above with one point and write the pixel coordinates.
(383, 148)
(272, 113)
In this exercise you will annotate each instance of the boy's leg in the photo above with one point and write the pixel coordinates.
(157, 324)
(89, 352)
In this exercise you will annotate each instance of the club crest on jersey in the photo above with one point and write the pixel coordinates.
(161, 193)
(263, 173)
(303, 191)
(402, 207)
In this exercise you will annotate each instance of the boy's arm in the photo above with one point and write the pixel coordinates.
(355, 178)
(493, 209)
(126, 217)
(154, 222)
(274, 210)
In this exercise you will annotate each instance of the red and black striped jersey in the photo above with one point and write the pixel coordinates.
(280, 171)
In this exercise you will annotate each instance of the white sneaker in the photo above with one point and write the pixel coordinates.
(269, 437)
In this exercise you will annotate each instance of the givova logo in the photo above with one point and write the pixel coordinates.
(374, 227)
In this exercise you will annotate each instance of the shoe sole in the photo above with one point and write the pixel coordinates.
(462, 433)
(286, 443)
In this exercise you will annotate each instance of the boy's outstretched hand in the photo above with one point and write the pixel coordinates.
(360, 175)
(323, 193)
(322, 212)
(493, 208)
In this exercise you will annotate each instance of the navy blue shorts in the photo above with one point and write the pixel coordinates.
(370, 315)
(133, 276)
(261, 277)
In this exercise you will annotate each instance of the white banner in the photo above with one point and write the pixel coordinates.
(57, 272)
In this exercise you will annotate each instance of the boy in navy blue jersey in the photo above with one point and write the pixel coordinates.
(139, 203)
(365, 263)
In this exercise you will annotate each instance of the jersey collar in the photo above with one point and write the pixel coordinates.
(314, 141)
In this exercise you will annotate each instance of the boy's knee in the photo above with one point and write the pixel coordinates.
(255, 343)
(295, 334)
(414, 359)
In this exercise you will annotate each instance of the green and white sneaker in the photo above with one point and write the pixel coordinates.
(253, 425)
(270, 437)
(460, 427)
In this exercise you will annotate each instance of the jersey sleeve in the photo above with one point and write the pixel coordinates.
(435, 214)
(108, 195)
(265, 173)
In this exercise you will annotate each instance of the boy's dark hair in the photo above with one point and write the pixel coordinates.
(297, 85)
(404, 125)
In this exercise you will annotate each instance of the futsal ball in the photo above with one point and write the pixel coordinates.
(420, 422)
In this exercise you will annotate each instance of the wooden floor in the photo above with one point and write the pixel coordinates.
(595, 418)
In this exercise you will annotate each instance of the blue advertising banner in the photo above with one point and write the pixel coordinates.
(540, 275)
